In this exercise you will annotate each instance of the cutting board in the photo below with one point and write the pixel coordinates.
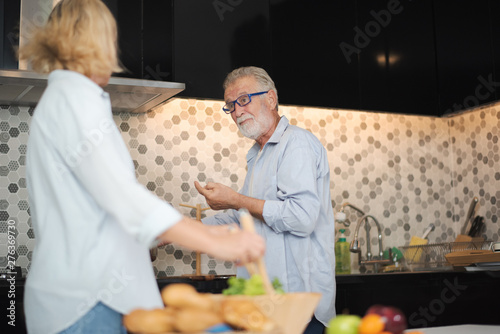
(461, 239)
(468, 257)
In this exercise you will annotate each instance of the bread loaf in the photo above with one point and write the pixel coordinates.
(156, 321)
(188, 311)
(183, 295)
(189, 320)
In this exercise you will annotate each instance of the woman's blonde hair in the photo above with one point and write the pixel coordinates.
(80, 35)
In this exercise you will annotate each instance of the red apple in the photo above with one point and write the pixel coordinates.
(394, 318)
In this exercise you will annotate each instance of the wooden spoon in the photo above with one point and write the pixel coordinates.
(257, 267)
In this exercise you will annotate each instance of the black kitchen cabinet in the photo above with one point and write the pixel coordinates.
(428, 299)
(397, 68)
(369, 55)
(129, 20)
(158, 40)
(427, 57)
(309, 66)
(9, 30)
(145, 38)
(495, 45)
(465, 47)
(211, 38)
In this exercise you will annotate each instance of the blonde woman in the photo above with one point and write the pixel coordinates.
(93, 221)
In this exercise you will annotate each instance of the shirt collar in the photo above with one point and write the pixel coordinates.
(275, 137)
(280, 129)
(75, 76)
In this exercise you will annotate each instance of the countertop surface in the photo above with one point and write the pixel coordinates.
(460, 329)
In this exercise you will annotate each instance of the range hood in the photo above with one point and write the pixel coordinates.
(24, 88)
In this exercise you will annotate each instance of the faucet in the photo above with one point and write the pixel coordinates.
(354, 248)
(341, 217)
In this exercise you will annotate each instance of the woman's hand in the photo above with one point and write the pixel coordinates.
(238, 246)
(226, 242)
(223, 229)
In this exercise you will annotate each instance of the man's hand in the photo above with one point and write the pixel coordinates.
(218, 196)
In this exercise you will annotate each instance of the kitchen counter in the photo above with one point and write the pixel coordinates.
(210, 284)
(429, 299)
(463, 329)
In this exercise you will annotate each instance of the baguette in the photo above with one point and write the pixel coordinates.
(183, 295)
(155, 321)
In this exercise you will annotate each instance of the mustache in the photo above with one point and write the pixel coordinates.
(243, 118)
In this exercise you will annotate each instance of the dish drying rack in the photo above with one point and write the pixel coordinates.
(432, 256)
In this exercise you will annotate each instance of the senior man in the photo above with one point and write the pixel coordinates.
(287, 190)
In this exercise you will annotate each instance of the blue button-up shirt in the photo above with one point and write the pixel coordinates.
(291, 173)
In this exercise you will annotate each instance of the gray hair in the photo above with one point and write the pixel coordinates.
(264, 81)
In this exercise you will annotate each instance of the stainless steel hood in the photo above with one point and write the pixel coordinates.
(24, 88)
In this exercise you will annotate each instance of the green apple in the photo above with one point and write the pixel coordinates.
(344, 324)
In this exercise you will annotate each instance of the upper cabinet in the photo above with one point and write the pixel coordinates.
(308, 64)
(145, 38)
(467, 48)
(397, 59)
(425, 57)
(10, 11)
(211, 38)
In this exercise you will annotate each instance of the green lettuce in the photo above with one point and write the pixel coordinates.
(253, 286)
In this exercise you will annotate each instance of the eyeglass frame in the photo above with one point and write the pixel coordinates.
(227, 111)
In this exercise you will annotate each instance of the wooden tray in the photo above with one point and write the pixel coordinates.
(291, 312)
(468, 257)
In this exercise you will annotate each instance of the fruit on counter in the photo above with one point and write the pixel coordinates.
(371, 324)
(252, 286)
(379, 319)
(344, 324)
(394, 318)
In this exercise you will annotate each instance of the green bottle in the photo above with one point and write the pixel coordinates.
(342, 256)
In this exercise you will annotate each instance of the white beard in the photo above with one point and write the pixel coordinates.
(255, 128)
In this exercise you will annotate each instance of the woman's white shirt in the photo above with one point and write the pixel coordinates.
(93, 221)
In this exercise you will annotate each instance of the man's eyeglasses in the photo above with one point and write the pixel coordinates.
(243, 100)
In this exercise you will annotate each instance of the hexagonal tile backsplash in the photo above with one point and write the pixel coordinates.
(407, 171)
